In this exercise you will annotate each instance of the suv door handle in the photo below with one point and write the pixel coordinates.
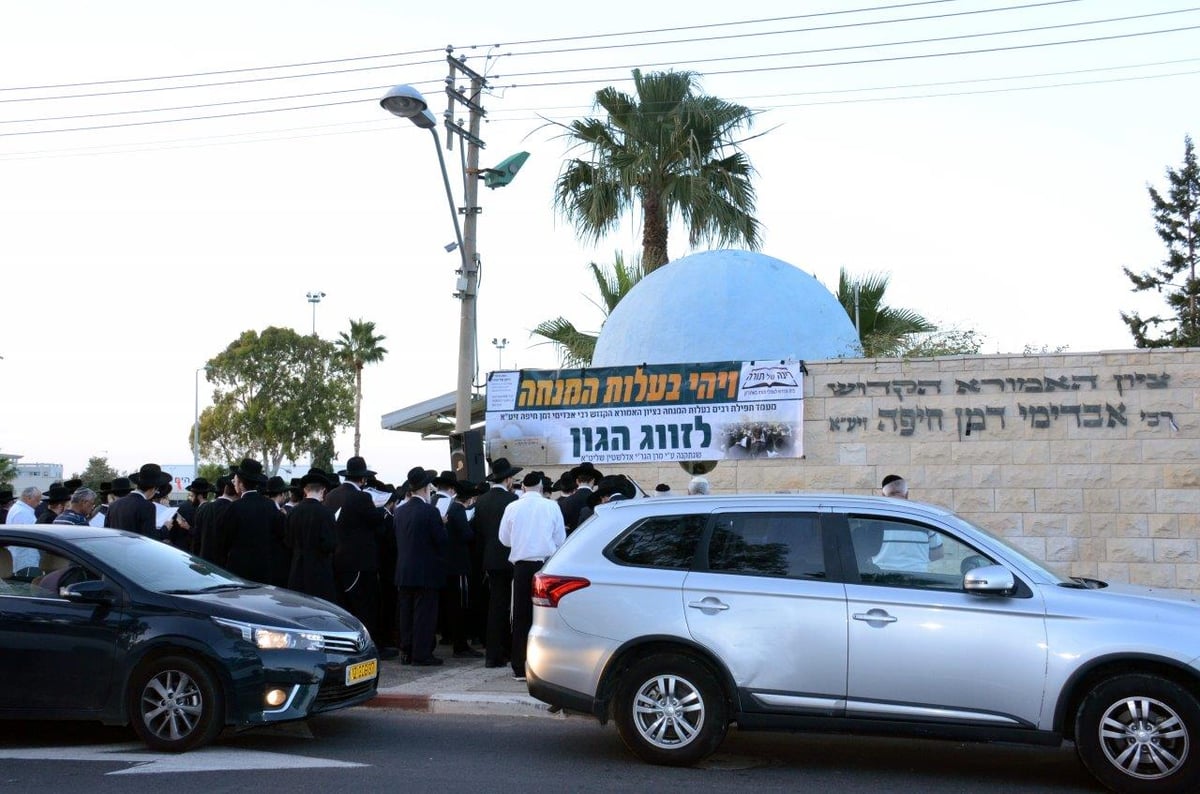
(875, 616)
(709, 603)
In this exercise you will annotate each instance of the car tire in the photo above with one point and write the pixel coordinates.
(1136, 733)
(175, 704)
(670, 710)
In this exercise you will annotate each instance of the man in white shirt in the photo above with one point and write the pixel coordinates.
(532, 527)
(23, 512)
(905, 548)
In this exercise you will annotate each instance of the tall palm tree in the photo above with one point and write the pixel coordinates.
(357, 349)
(670, 150)
(882, 329)
(575, 347)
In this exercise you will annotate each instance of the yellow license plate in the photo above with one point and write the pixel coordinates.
(363, 671)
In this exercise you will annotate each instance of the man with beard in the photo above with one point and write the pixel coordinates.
(245, 529)
(489, 508)
(135, 512)
(586, 476)
(420, 571)
(356, 559)
(198, 491)
(56, 499)
(312, 535)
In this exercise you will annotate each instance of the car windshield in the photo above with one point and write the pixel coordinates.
(1025, 561)
(159, 567)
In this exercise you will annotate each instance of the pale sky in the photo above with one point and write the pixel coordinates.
(133, 254)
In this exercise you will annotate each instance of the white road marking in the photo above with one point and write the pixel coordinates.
(209, 759)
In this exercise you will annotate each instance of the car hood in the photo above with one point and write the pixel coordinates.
(273, 606)
(1142, 604)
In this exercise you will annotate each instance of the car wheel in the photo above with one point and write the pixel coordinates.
(1134, 733)
(176, 704)
(670, 710)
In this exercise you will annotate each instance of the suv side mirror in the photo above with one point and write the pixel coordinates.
(91, 592)
(989, 580)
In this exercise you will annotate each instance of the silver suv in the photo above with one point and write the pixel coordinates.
(678, 617)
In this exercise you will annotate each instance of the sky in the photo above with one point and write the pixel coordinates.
(990, 157)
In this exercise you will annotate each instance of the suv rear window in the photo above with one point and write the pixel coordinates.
(662, 542)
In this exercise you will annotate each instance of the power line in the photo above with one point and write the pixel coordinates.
(892, 59)
(847, 48)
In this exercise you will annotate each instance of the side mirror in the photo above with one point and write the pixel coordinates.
(91, 592)
(989, 580)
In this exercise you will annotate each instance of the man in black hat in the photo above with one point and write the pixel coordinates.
(198, 491)
(281, 556)
(586, 476)
(454, 596)
(421, 542)
(312, 536)
(56, 499)
(489, 509)
(612, 488)
(356, 559)
(135, 511)
(204, 534)
(386, 640)
(245, 530)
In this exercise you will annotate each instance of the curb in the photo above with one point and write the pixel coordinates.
(495, 704)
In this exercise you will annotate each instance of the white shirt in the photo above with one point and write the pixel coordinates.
(443, 504)
(23, 556)
(532, 527)
(20, 513)
(907, 549)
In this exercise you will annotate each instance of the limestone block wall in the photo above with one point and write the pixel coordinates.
(1088, 461)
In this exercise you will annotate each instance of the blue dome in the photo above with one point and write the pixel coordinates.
(726, 306)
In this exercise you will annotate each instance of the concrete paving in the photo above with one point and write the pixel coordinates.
(459, 686)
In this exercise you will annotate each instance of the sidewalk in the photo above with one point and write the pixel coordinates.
(459, 686)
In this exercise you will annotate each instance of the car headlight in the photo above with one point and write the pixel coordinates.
(270, 638)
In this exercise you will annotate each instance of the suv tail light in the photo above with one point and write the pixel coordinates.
(549, 589)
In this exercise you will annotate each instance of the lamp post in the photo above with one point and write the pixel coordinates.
(500, 344)
(196, 425)
(314, 298)
(407, 102)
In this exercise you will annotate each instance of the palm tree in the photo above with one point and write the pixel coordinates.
(882, 329)
(575, 347)
(670, 150)
(357, 349)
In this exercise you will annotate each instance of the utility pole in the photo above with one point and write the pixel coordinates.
(468, 282)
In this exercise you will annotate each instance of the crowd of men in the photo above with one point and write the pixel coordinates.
(432, 555)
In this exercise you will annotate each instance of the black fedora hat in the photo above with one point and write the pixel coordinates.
(314, 476)
(121, 486)
(250, 471)
(418, 478)
(73, 485)
(586, 469)
(356, 467)
(150, 475)
(163, 490)
(565, 482)
(464, 489)
(6, 495)
(445, 480)
(275, 486)
(199, 486)
(57, 493)
(105, 489)
(502, 470)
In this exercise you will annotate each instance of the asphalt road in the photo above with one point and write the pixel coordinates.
(376, 750)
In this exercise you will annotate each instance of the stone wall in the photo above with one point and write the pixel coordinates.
(1089, 461)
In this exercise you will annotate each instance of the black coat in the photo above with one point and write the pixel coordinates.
(358, 528)
(458, 530)
(204, 530)
(312, 536)
(571, 507)
(421, 542)
(489, 509)
(245, 532)
(135, 513)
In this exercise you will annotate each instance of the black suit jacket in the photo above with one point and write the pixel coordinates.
(458, 529)
(135, 513)
(312, 536)
(358, 528)
(572, 505)
(204, 532)
(421, 542)
(245, 531)
(489, 509)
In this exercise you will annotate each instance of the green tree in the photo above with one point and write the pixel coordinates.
(96, 472)
(942, 342)
(575, 347)
(883, 330)
(8, 471)
(212, 471)
(669, 150)
(356, 349)
(276, 396)
(1177, 221)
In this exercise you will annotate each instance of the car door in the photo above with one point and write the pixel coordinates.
(54, 654)
(920, 648)
(765, 600)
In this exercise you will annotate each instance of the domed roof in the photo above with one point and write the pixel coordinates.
(726, 306)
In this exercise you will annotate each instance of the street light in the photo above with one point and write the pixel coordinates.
(196, 425)
(408, 103)
(500, 345)
(314, 298)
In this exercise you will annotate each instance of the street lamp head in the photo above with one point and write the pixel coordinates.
(408, 103)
